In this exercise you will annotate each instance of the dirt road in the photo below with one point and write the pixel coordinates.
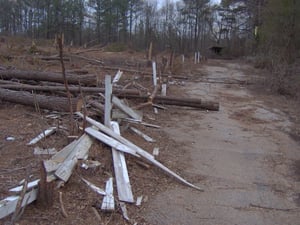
(242, 156)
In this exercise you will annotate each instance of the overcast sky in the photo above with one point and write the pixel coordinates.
(162, 1)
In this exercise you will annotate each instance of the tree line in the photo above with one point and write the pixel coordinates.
(241, 26)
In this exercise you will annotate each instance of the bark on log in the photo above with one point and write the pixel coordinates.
(92, 61)
(144, 72)
(50, 58)
(48, 76)
(188, 102)
(45, 102)
(168, 100)
(18, 86)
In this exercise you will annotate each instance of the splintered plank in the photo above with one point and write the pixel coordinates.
(117, 76)
(124, 211)
(143, 135)
(65, 170)
(155, 151)
(56, 160)
(79, 150)
(108, 203)
(94, 187)
(121, 172)
(8, 205)
(110, 141)
(42, 135)
(129, 120)
(126, 109)
(30, 185)
(139, 201)
(138, 150)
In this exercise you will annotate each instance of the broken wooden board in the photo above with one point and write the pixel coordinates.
(30, 185)
(90, 164)
(80, 150)
(65, 169)
(121, 172)
(126, 109)
(8, 205)
(108, 203)
(142, 123)
(143, 135)
(94, 187)
(110, 141)
(62, 154)
(42, 135)
(139, 201)
(124, 211)
(56, 160)
(83, 146)
(41, 151)
(138, 150)
(117, 77)
(155, 151)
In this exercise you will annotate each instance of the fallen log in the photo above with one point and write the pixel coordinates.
(144, 72)
(48, 76)
(188, 102)
(77, 89)
(90, 60)
(50, 58)
(46, 102)
(127, 93)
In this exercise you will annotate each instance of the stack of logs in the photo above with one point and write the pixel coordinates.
(22, 87)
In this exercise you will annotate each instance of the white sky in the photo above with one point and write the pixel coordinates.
(160, 2)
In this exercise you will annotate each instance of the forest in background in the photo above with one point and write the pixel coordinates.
(265, 29)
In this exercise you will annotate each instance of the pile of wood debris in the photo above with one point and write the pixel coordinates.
(91, 98)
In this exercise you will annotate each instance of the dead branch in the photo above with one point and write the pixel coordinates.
(63, 210)
(60, 44)
(19, 211)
